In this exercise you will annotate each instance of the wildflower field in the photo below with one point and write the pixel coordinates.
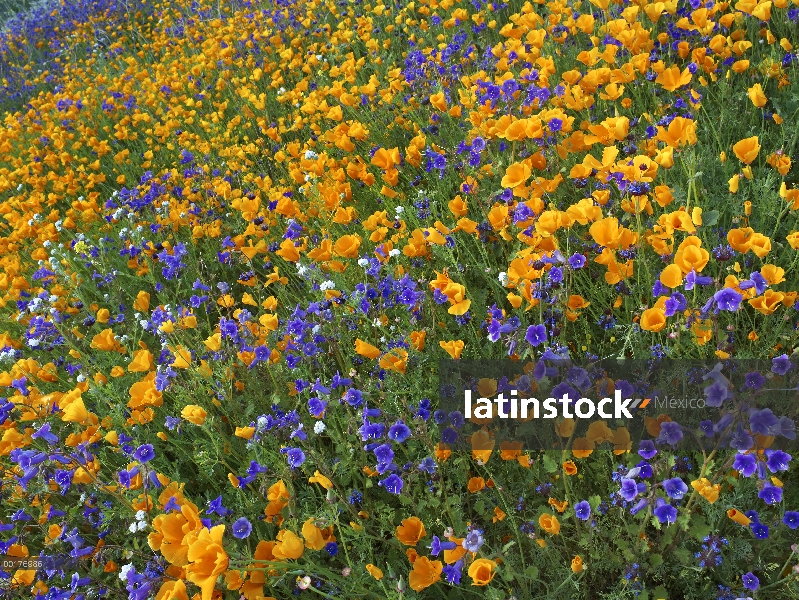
(244, 243)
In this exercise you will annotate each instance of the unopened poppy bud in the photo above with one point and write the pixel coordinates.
(747, 208)
(400, 585)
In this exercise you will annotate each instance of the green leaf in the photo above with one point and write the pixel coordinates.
(683, 555)
(699, 529)
(660, 593)
(710, 218)
(655, 560)
(549, 464)
(531, 572)
(594, 501)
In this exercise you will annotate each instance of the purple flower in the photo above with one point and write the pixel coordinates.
(641, 505)
(777, 460)
(556, 275)
(44, 433)
(216, 506)
(536, 334)
(393, 483)
(555, 125)
(399, 432)
(727, 299)
(582, 510)
(294, 456)
(759, 530)
(453, 572)
(646, 449)
(791, 519)
(764, 422)
(473, 540)
(241, 528)
(750, 581)
(437, 546)
(787, 428)
(665, 512)
(741, 440)
(781, 364)
(770, 494)
(353, 397)
(629, 489)
(675, 488)
(716, 393)
(670, 433)
(577, 261)
(428, 465)
(144, 453)
(745, 464)
(754, 380)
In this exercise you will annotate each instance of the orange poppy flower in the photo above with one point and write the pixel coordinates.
(516, 174)
(453, 347)
(757, 96)
(374, 572)
(425, 573)
(476, 484)
(672, 78)
(411, 531)
(482, 445)
(549, 523)
(577, 564)
(582, 447)
(739, 517)
(653, 319)
(207, 559)
(482, 571)
(747, 149)
(366, 349)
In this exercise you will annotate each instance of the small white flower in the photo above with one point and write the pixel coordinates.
(363, 262)
(399, 209)
(309, 154)
(394, 252)
(262, 422)
(503, 278)
(327, 285)
(377, 323)
(132, 528)
(123, 572)
(81, 378)
(319, 427)
(142, 525)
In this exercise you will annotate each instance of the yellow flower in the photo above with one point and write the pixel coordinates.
(194, 414)
(747, 149)
(425, 573)
(757, 96)
(207, 559)
(289, 546)
(374, 572)
(453, 347)
(321, 480)
(577, 564)
(549, 523)
(411, 531)
(482, 571)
